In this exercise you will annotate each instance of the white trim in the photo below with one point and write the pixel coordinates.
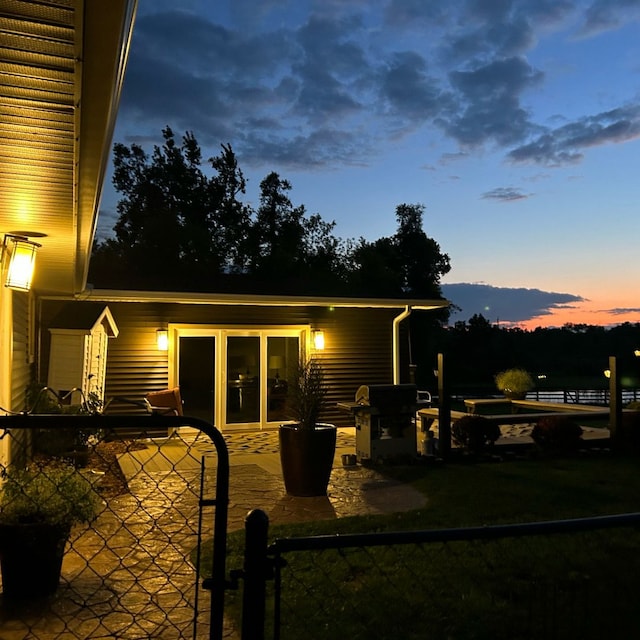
(109, 295)
(220, 333)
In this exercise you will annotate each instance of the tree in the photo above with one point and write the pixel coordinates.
(176, 226)
(407, 264)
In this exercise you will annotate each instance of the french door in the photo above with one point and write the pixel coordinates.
(235, 378)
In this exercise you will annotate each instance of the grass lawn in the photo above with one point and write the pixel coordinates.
(562, 586)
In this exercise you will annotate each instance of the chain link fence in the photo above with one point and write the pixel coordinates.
(575, 579)
(130, 571)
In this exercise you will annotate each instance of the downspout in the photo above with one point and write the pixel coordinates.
(396, 343)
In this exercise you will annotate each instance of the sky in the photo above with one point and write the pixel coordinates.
(516, 123)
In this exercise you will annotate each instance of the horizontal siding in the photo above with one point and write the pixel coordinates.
(20, 368)
(358, 345)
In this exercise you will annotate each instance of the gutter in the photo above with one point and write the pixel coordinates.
(396, 343)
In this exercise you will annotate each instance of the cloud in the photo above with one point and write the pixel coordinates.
(505, 304)
(505, 194)
(277, 80)
(604, 15)
(489, 108)
(565, 144)
(618, 311)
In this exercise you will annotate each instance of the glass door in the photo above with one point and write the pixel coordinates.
(235, 378)
(196, 366)
(243, 380)
(282, 358)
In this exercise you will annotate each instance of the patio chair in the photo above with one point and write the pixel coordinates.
(167, 402)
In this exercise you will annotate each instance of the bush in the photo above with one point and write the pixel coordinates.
(629, 433)
(514, 383)
(475, 433)
(557, 433)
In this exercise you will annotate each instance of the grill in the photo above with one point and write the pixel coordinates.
(385, 421)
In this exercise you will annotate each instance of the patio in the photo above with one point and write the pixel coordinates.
(128, 574)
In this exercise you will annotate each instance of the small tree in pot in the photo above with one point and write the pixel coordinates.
(38, 507)
(307, 446)
(514, 383)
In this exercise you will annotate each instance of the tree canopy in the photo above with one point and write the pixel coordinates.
(181, 229)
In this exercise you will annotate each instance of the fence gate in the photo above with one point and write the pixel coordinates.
(137, 569)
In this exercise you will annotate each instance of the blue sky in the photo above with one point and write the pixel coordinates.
(515, 122)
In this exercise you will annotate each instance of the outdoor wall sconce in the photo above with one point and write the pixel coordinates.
(162, 339)
(21, 254)
(636, 353)
(318, 339)
(607, 373)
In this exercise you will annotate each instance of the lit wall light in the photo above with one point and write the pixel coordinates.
(607, 373)
(318, 340)
(21, 253)
(162, 339)
(636, 353)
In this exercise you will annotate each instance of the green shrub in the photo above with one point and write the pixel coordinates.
(475, 433)
(557, 433)
(514, 382)
(57, 495)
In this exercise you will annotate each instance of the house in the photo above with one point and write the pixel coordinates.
(61, 70)
(232, 354)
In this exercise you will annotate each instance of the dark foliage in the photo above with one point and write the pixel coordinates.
(179, 229)
(557, 434)
(475, 433)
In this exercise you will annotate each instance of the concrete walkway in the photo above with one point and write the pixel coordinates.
(256, 478)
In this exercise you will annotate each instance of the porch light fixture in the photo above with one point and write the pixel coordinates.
(21, 254)
(636, 353)
(162, 339)
(318, 339)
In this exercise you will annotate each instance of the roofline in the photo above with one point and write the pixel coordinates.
(114, 295)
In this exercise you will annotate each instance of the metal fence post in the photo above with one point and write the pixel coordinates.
(255, 575)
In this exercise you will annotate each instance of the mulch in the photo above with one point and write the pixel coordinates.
(103, 458)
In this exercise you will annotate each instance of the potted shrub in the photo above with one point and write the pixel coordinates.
(514, 383)
(307, 446)
(38, 507)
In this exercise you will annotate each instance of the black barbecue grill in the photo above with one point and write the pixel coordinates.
(385, 421)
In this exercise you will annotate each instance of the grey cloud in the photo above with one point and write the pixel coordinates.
(408, 91)
(564, 145)
(503, 303)
(317, 148)
(505, 194)
(490, 106)
(330, 64)
(416, 13)
(603, 15)
(618, 311)
(310, 82)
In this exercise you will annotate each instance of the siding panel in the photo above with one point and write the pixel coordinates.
(358, 345)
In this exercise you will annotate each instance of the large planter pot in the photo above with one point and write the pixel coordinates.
(306, 456)
(31, 559)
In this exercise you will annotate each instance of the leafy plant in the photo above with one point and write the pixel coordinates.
(65, 441)
(557, 433)
(307, 394)
(57, 495)
(514, 382)
(475, 433)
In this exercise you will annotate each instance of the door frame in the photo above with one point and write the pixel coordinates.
(220, 333)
